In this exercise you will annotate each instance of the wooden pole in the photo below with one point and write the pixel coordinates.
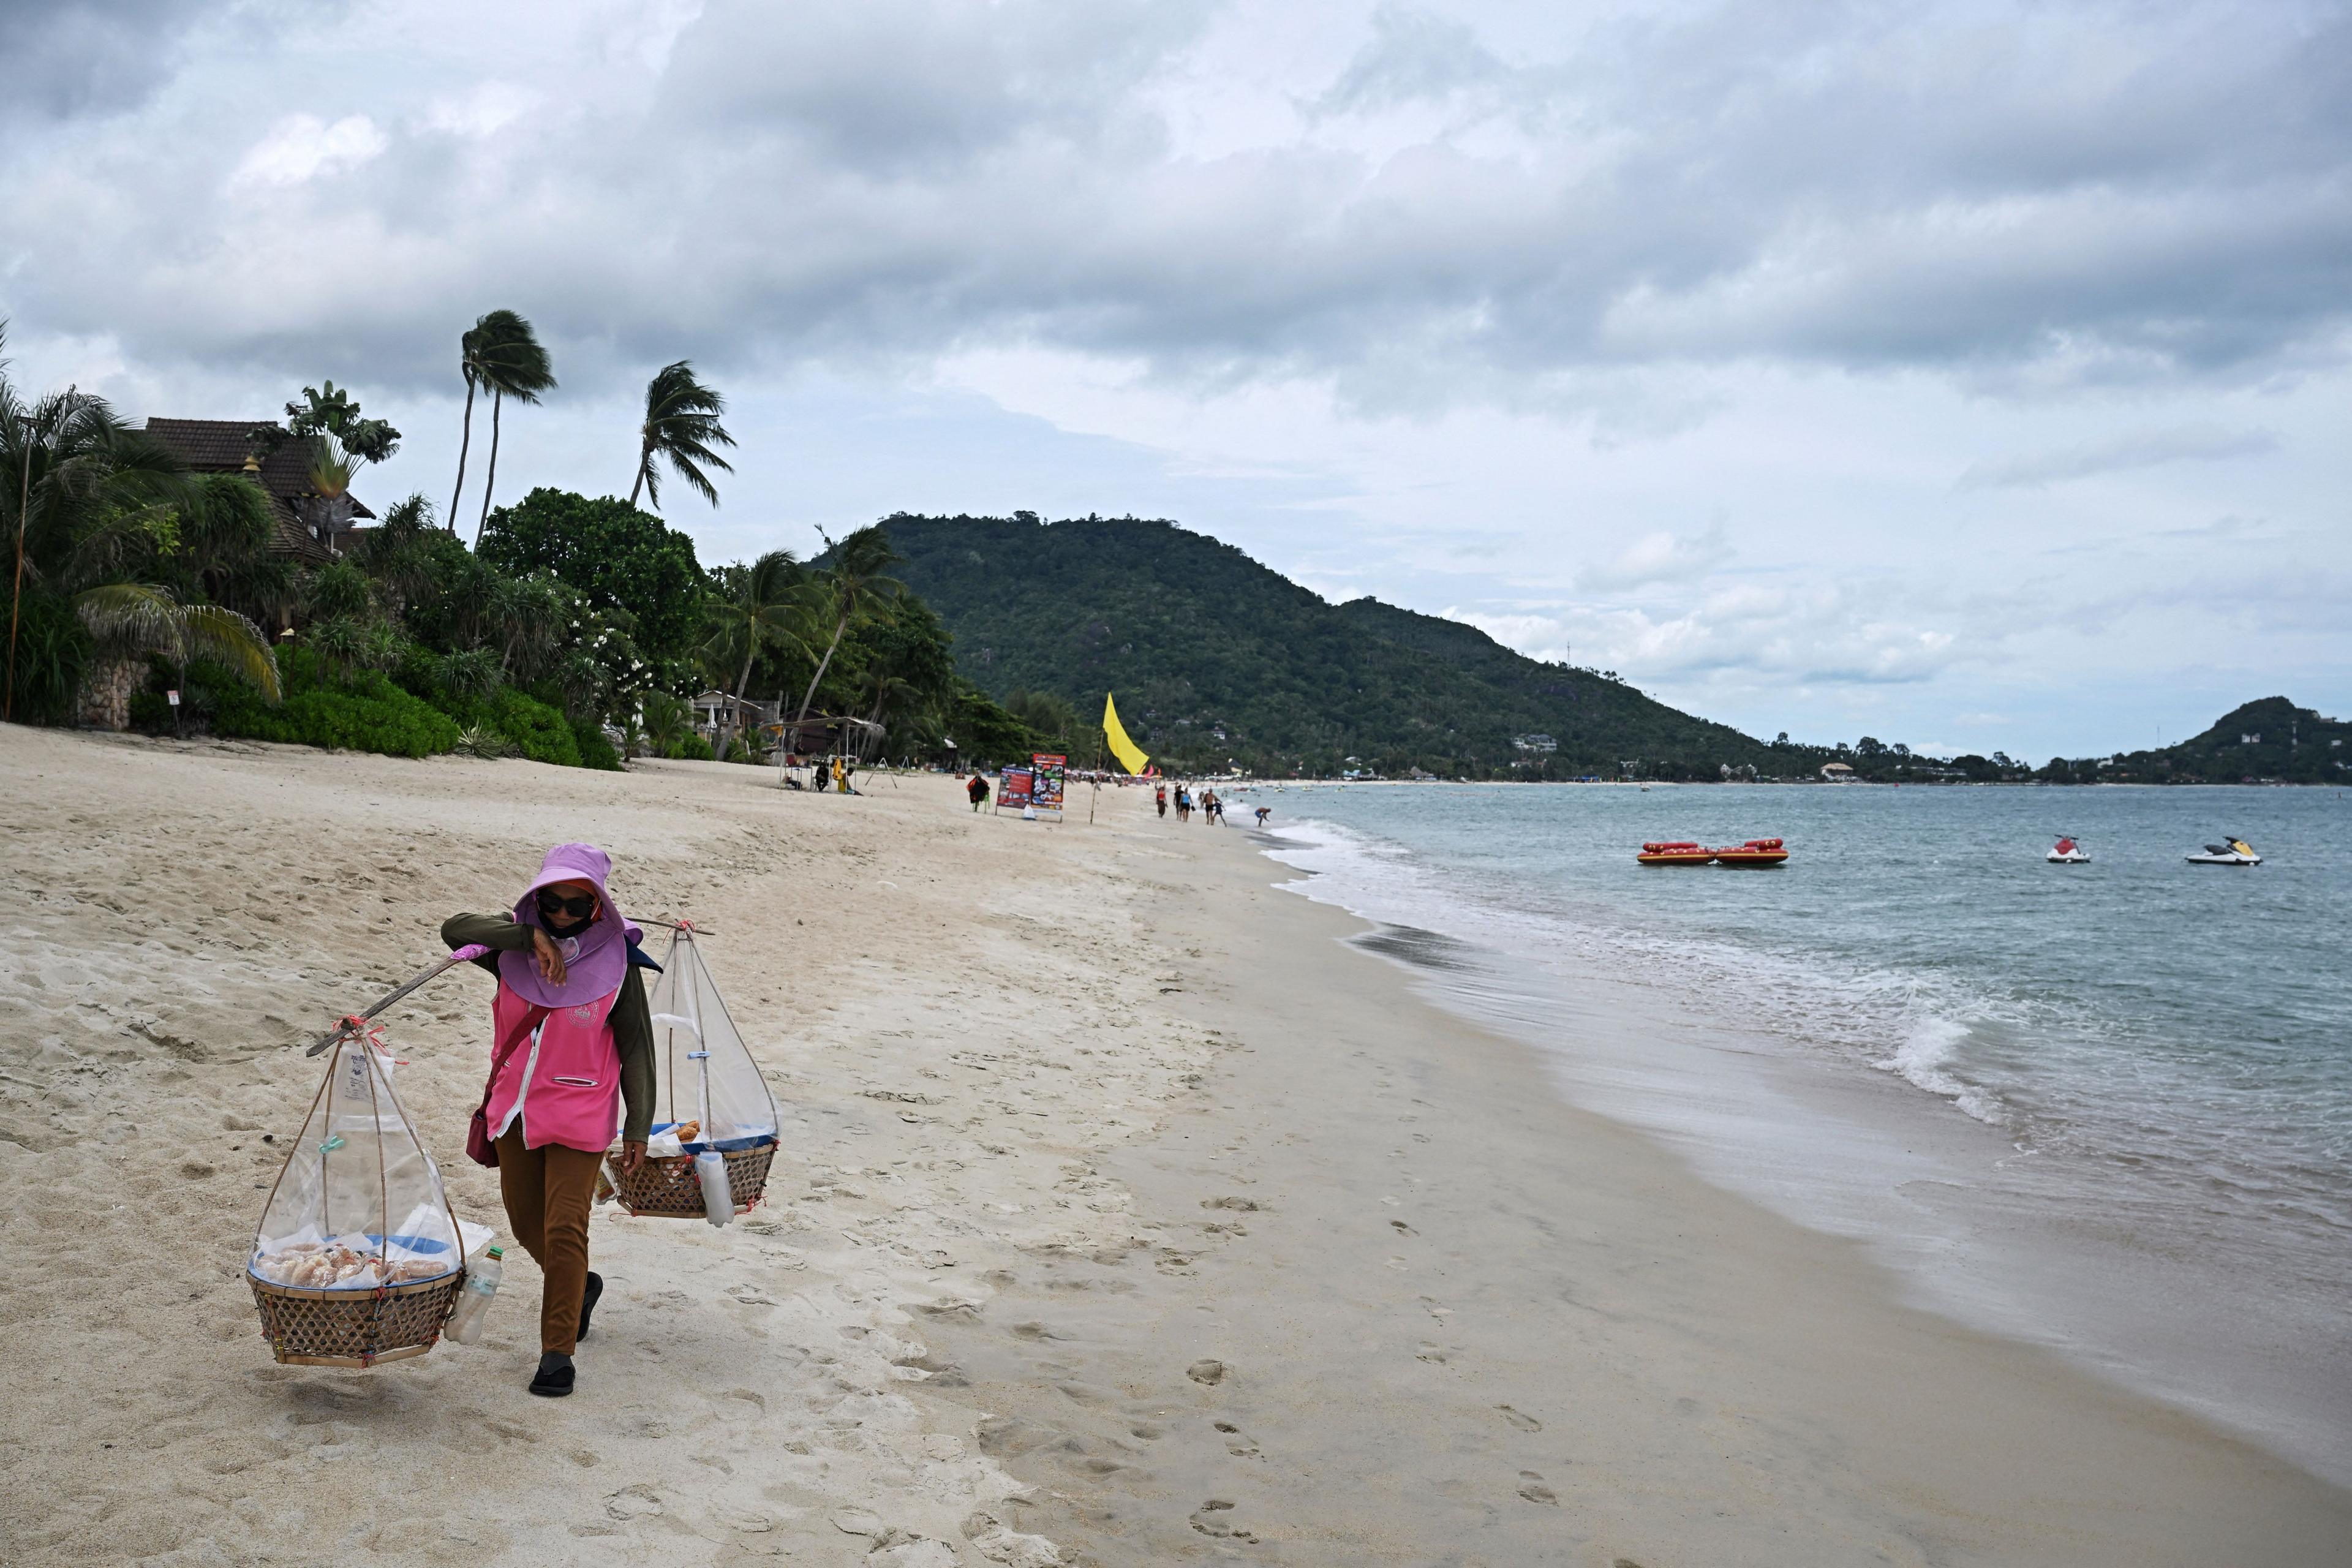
(17, 604)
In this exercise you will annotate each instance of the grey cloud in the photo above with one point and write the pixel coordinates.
(1659, 557)
(1413, 55)
(73, 57)
(1979, 191)
(2134, 449)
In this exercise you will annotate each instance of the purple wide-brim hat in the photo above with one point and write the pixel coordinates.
(596, 959)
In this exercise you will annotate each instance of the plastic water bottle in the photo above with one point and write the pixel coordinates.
(717, 1198)
(465, 1325)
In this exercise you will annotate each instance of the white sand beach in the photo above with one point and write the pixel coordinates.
(1125, 1214)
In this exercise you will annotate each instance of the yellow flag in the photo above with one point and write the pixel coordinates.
(1130, 757)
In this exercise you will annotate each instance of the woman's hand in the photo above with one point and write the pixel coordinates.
(548, 956)
(632, 1157)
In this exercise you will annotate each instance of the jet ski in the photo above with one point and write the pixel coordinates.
(2066, 852)
(2236, 852)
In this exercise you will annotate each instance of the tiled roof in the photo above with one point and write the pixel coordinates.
(221, 447)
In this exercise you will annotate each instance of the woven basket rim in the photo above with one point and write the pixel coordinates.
(358, 1296)
(770, 1141)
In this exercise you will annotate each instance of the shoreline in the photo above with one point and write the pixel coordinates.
(1570, 1318)
(1977, 1217)
(1070, 1114)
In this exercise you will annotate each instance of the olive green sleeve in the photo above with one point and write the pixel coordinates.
(497, 933)
(633, 1036)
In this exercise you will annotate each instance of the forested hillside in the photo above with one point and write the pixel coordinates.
(1214, 657)
(2270, 740)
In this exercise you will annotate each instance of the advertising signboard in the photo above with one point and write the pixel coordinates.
(1012, 788)
(1047, 786)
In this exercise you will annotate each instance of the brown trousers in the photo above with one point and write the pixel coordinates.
(548, 1191)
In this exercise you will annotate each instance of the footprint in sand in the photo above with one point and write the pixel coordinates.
(1403, 1228)
(1520, 1419)
(1531, 1488)
(1210, 1519)
(1236, 1443)
(1207, 1372)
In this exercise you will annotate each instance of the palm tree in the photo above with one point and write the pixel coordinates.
(856, 581)
(682, 426)
(667, 719)
(131, 620)
(87, 496)
(763, 608)
(471, 346)
(511, 363)
(395, 554)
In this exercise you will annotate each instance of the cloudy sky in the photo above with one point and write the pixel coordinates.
(1957, 372)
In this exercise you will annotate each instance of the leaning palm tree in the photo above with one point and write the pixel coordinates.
(130, 621)
(762, 609)
(681, 426)
(855, 580)
(472, 355)
(511, 364)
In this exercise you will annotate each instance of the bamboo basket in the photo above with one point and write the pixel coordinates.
(354, 1328)
(669, 1189)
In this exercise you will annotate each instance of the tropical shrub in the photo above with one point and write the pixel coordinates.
(689, 749)
(366, 713)
(596, 747)
(537, 731)
(481, 741)
(52, 651)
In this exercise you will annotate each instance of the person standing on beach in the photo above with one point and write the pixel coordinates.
(1160, 799)
(573, 1046)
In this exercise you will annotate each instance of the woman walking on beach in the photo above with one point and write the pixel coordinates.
(572, 1043)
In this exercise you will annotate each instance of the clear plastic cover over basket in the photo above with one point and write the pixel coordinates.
(359, 1204)
(702, 1070)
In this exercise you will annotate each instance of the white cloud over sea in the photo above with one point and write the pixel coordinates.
(1824, 366)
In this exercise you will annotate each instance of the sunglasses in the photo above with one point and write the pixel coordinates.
(580, 906)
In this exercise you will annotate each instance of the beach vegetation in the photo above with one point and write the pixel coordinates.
(501, 354)
(596, 747)
(765, 607)
(681, 432)
(622, 561)
(112, 533)
(329, 417)
(663, 719)
(361, 710)
(855, 583)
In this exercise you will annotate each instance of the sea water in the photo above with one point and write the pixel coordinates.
(2105, 1107)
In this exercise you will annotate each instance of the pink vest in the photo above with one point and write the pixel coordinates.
(567, 1083)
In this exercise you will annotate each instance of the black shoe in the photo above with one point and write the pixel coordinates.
(588, 1294)
(554, 1378)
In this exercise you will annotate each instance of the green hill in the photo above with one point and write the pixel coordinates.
(2263, 742)
(1214, 657)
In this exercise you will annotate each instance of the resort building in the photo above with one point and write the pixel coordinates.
(310, 526)
(1836, 772)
